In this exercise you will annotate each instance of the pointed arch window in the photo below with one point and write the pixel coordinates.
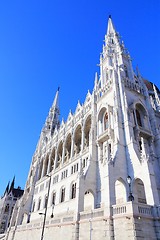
(140, 191)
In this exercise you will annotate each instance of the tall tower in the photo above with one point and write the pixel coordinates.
(127, 137)
(38, 168)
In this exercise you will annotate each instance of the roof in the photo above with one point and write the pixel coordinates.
(17, 192)
(149, 85)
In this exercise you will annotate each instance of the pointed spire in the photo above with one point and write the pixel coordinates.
(7, 188)
(56, 100)
(110, 28)
(96, 79)
(12, 184)
(53, 117)
(138, 72)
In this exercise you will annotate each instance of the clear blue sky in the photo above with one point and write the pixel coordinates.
(46, 44)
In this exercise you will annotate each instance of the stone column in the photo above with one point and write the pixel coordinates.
(63, 153)
(56, 157)
(49, 164)
(43, 169)
(72, 146)
(82, 138)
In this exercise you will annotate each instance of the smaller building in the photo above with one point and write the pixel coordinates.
(7, 203)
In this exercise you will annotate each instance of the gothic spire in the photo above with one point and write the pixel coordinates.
(96, 81)
(114, 54)
(52, 120)
(55, 104)
(7, 188)
(110, 29)
(12, 184)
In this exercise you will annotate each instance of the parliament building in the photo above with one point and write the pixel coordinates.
(97, 175)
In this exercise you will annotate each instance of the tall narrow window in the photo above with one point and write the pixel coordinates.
(140, 145)
(105, 121)
(33, 207)
(73, 193)
(39, 204)
(40, 170)
(7, 208)
(138, 118)
(45, 201)
(62, 195)
(54, 198)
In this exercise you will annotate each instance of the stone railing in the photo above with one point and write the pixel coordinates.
(119, 209)
(145, 210)
(57, 220)
(134, 86)
(91, 214)
(131, 208)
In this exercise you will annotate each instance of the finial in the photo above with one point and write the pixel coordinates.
(110, 16)
(58, 89)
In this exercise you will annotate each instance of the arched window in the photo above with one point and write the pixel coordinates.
(39, 204)
(88, 200)
(120, 191)
(73, 192)
(138, 118)
(139, 191)
(62, 197)
(102, 119)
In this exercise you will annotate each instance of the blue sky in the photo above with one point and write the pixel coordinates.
(46, 44)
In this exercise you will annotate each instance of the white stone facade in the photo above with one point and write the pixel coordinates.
(78, 175)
